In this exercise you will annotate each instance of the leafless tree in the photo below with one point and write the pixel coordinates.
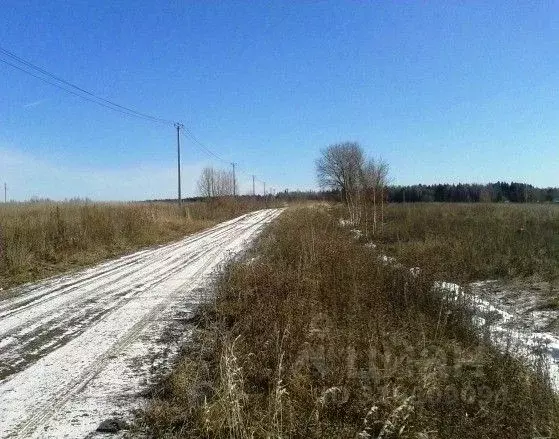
(340, 167)
(206, 182)
(382, 169)
(375, 176)
(215, 183)
(224, 183)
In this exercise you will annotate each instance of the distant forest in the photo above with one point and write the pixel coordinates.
(465, 193)
(454, 193)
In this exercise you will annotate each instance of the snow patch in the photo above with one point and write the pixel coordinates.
(345, 223)
(502, 326)
(356, 233)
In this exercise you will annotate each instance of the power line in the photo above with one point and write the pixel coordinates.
(54, 84)
(207, 150)
(188, 135)
(73, 89)
(79, 91)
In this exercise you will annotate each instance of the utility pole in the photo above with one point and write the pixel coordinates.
(179, 126)
(253, 191)
(5, 193)
(234, 181)
(264, 188)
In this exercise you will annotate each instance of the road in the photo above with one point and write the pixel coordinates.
(78, 349)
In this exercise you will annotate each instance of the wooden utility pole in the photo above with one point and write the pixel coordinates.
(264, 188)
(253, 189)
(5, 193)
(234, 181)
(179, 126)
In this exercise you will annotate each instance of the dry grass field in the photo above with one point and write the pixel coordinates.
(312, 335)
(464, 242)
(42, 239)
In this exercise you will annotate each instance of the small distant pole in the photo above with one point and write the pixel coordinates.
(264, 188)
(178, 126)
(5, 193)
(234, 181)
(253, 189)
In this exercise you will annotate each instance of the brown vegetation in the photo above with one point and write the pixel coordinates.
(41, 239)
(464, 242)
(312, 336)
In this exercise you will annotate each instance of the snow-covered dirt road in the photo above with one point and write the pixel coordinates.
(78, 349)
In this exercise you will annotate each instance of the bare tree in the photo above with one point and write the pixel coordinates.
(382, 170)
(215, 183)
(375, 175)
(340, 167)
(224, 183)
(206, 183)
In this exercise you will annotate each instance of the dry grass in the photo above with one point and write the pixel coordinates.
(313, 337)
(41, 239)
(466, 242)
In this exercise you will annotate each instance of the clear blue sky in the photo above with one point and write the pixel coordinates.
(443, 91)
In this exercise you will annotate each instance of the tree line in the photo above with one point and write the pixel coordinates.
(343, 169)
(344, 173)
(472, 193)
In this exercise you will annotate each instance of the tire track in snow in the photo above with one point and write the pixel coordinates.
(32, 295)
(111, 288)
(93, 372)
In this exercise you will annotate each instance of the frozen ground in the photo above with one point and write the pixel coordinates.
(79, 349)
(520, 315)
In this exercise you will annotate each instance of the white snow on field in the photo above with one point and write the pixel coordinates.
(506, 334)
(505, 329)
(78, 349)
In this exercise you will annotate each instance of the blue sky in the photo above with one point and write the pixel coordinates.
(443, 91)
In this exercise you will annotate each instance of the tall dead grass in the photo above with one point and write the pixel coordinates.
(465, 242)
(40, 239)
(313, 337)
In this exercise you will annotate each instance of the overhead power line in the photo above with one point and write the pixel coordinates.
(189, 136)
(52, 79)
(27, 67)
(207, 150)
